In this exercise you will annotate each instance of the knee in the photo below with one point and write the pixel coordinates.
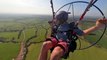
(47, 44)
(58, 51)
(56, 54)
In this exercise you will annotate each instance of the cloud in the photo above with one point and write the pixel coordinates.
(24, 6)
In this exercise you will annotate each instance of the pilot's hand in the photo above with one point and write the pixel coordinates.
(101, 22)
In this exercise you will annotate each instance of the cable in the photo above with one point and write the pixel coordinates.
(51, 1)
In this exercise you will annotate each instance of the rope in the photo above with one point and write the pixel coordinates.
(79, 43)
(92, 2)
(73, 11)
(69, 7)
(87, 9)
(51, 2)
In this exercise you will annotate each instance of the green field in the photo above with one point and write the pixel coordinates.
(10, 50)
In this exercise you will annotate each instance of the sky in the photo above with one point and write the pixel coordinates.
(39, 6)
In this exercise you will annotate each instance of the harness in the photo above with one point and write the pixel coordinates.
(66, 32)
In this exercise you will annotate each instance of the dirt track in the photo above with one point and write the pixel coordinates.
(21, 52)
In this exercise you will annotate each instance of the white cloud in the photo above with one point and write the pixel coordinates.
(16, 2)
(24, 6)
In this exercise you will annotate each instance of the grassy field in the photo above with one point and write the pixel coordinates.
(9, 50)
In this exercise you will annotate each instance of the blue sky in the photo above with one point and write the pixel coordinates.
(41, 6)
